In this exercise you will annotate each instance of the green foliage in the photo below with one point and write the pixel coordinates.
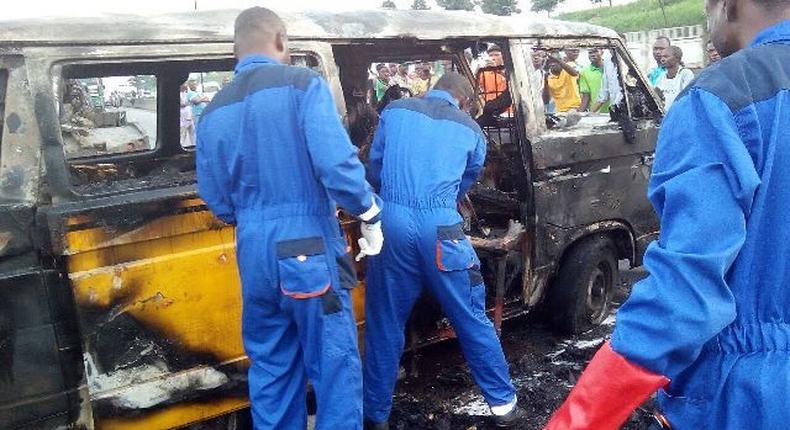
(500, 7)
(389, 4)
(420, 5)
(143, 82)
(643, 15)
(545, 5)
(456, 4)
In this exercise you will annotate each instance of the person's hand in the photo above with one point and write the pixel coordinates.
(371, 241)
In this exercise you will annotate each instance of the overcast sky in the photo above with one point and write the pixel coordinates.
(39, 8)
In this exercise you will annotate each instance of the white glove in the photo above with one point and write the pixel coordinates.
(371, 241)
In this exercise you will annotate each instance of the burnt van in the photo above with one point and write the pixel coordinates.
(120, 302)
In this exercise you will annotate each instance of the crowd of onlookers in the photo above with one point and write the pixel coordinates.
(562, 84)
(565, 86)
(393, 81)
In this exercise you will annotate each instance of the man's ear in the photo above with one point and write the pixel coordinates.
(279, 42)
(731, 9)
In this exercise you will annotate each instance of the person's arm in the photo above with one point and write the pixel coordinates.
(546, 90)
(603, 95)
(213, 179)
(376, 156)
(334, 157)
(584, 89)
(565, 66)
(702, 188)
(687, 77)
(474, 165)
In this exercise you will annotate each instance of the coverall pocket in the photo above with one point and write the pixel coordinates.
(304, 272)
(453, 250)
(346, 271)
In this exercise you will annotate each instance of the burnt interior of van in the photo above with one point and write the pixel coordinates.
(493, 211)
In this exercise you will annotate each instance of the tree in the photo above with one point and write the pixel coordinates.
(420, 5)
(500, 7)
(389, 4)
(545, 5)
(456, 4)
(143, 82)
(601, 1)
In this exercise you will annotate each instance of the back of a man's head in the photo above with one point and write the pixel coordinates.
(676, 52)
(259, 30)
(733, 24)
(457, 85)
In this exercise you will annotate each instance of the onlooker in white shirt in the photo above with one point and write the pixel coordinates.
(676, 78)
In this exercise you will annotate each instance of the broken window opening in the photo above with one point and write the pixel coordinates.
(3, 88)
(101, 115)
(144, 101)
(605, 94)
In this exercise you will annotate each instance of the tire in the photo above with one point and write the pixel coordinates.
(580, 296)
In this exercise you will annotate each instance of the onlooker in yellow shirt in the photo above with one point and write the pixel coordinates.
(561, 85)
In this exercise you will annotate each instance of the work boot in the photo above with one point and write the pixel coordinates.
(369, 425)
(510, 419)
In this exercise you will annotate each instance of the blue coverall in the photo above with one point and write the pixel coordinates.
(425, 155)
(273, 158)
(714, 316)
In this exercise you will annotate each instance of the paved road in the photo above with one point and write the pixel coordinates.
(144, 118)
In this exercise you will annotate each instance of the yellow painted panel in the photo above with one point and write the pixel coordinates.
(177, 415)
(176, 275)
(191, 298)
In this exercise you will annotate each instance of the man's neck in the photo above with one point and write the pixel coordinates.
(672, 71)
(760, 21)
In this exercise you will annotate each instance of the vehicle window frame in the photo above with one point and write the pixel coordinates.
(523, 47)
(186, 55)
(4, 76)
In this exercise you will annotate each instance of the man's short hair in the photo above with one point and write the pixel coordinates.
(381, 66)
(494, 48)
(456, 84)
(669, 41)
(676, 52)
(257, 23)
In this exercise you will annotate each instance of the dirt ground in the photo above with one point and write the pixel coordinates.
(439, 394)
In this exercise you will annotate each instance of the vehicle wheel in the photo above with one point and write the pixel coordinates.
(580, 296)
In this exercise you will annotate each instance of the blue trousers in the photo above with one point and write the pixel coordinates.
(298, 323)
(426, 248)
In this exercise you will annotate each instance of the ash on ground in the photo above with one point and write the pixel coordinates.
(439, 392)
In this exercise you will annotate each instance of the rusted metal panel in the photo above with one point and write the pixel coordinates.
(216, 26)
(40, 358)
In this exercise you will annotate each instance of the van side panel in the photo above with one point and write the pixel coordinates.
(590, 178)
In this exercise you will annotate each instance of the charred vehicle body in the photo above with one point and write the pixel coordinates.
(119, 295)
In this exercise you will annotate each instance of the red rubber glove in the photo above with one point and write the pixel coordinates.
(609, 389)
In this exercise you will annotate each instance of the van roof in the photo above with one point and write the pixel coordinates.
(217, 26)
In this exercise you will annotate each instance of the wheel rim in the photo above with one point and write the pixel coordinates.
(598, 292)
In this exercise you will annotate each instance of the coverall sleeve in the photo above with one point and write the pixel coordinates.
(702, 188)
(474, 165)
(334, 157)
(376, 155)
(214, 182)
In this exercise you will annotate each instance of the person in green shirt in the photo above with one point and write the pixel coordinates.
(382, 81)
(590, 79)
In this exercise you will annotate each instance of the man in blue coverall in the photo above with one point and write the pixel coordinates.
(273, 158)
(426, 154)
(710, 327)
